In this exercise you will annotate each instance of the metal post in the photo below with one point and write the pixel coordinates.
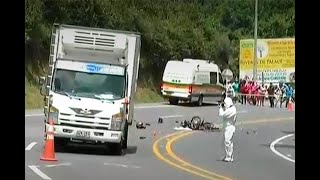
(255, 41)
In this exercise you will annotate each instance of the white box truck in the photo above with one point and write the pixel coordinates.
(90, 85)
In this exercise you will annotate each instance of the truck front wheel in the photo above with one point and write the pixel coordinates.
(125, 136)
(116, 148)
(60, 143)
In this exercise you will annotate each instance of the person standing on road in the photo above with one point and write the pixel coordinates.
(271, 90)
(236, 91)
(288, 93)
(228, 112)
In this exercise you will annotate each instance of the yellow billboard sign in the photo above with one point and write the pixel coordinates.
(276, 59)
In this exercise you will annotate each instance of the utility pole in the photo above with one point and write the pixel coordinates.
(255, 60)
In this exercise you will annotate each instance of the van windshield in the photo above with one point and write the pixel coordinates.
(82, 84)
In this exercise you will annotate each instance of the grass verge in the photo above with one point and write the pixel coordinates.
(147, 95)
(33, 98)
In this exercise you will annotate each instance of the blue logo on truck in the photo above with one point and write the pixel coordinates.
(93, 68)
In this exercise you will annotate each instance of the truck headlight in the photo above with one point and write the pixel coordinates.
(53, 114)
(116, 122)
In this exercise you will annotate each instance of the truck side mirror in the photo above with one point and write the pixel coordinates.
(44, 91)
(41, 80)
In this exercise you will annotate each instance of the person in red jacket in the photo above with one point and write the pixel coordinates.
(243, 92)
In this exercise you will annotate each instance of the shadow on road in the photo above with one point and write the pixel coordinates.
(94, 150)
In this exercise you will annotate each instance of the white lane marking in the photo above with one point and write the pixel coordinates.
(30, 146)
(38, 172)
(243, 111)
(55, 165)
(136, 107)
(289, 155)
(171, 116)
(276, 152)
(156, 106)
(121, 165)
(31, 115)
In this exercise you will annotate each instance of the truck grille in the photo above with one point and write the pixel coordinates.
(84, 126)
(82, 112)
(85, 121)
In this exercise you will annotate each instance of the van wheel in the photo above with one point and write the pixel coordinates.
(200, 101)
(173, 101)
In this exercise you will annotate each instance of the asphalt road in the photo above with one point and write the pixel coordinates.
(194, 156)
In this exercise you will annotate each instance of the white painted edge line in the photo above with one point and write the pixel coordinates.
(55, 165)
(277, 152)
(121, 165)
(243, 111)
(137, 107)
(31, 115)
(30, 146)
(38, 172)
(156, 106)
(171, 116)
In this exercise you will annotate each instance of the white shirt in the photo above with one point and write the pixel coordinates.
(228, 116)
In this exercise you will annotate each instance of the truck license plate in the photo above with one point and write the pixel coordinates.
(83, 134)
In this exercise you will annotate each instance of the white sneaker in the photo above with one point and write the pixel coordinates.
(228, 159)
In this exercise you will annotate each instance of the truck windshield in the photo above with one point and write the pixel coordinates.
(82, 84)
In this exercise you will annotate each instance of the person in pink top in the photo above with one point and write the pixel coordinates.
(262, 91)
(254, 91)
(248, 89)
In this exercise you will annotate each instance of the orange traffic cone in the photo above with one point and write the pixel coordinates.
(290, 105)
(48, 153)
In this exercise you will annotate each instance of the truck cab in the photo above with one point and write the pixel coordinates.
(89, 88)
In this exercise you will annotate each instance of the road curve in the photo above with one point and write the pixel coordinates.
(139, 161)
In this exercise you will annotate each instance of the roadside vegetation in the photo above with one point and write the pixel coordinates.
(170, 29)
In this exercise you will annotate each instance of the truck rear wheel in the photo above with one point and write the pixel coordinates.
(173, 101)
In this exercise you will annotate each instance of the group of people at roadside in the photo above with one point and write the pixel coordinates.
(253, 93)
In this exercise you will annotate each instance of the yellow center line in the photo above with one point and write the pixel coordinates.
(175, 157)
(185, 166)
(162, 158)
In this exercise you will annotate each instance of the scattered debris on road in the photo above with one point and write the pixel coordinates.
(160, 120)
(196, 123)
(140, 125)
(251, 131)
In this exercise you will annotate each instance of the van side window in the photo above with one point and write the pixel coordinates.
(213, 78)
(220, 79)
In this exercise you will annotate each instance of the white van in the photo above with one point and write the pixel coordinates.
(192, 80)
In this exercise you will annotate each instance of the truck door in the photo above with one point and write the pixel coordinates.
(126, 89)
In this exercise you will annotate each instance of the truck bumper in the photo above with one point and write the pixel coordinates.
(103, 136)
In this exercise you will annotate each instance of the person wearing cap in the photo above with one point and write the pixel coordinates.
(228, 112)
